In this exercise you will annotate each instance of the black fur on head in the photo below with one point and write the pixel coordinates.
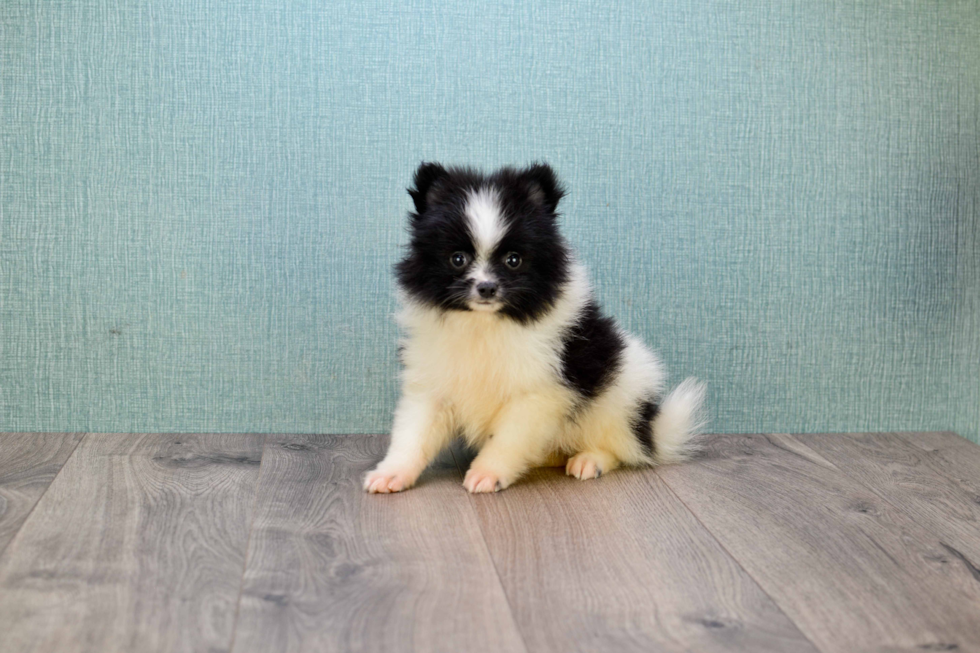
(443, 224)
(543, 186)
(426, 178)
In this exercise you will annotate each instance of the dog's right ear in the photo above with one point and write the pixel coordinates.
(426, 185)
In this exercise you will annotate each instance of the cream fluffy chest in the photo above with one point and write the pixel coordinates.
(474, 363)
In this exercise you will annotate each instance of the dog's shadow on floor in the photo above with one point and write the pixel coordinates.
(452, 463)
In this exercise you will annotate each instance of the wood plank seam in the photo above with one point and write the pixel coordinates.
(133, 547)
(733, 557)
(619, 564)
(895, 592)
(884, 496)
(486, 547)
(248, 545)
(31, 511)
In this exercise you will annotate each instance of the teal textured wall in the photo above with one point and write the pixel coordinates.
(200, 201)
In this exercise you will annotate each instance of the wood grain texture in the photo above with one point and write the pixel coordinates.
(28, 464)
(854, 572)
(332, 568)
(933, 477)
(619, 564)
(138, 545)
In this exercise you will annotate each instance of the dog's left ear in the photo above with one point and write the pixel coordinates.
(543, 185)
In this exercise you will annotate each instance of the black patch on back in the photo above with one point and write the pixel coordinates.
(642, 424)
(592, 352)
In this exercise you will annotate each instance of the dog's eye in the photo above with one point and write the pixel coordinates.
(459, 259)
(513, 260)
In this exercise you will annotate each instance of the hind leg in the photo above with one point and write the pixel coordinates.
(591, 464)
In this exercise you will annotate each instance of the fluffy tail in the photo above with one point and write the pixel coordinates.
(680, 419)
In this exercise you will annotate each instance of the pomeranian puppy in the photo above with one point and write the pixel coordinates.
(505, 344)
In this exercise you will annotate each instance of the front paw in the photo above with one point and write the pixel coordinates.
(584, 466)
(385, 481)
(478, 481)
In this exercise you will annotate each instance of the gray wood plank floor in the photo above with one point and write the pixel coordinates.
(864, 542)
(931, 477)
(28, 464)
(851, 570)
(138, 545)
(624, 569)
(331, 568)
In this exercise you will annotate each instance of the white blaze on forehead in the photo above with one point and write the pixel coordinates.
(485, 223)
(481, 273)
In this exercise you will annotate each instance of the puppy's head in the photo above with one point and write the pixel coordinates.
(485, 243)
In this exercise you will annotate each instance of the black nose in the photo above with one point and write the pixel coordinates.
(487, 289)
